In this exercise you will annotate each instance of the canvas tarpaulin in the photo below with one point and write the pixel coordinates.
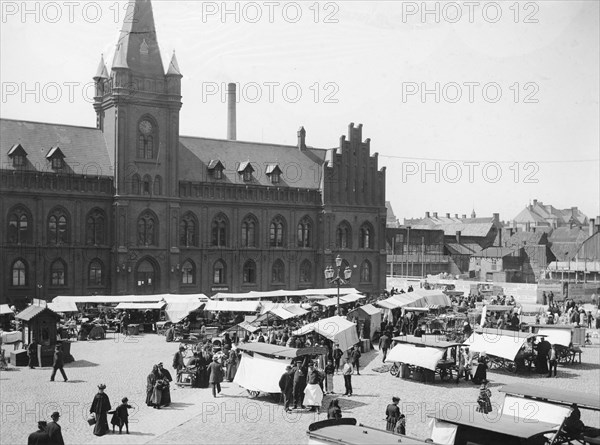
(5, 309)
(442, 432)
(66, 306)
(138, 306)
(232, 306)
(499, 345)
(178, 311)
(338, 329)
(556, 336)
(424, 357)
(259, 373)
(528, 410)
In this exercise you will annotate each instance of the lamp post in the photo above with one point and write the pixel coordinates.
(338, 280)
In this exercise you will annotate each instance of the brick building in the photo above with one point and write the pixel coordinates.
(132, 207)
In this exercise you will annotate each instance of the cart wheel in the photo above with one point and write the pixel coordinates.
(395, 370)
(253, 394)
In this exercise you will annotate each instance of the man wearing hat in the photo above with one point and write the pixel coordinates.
(178, 364)
(215, 377)
(58, 363)
(39, 437)
(286, 384)
(54, 430)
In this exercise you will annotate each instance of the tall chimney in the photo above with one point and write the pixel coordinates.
(435, 214)
(231, 118)
(464, 216)
(456, 215)
(592, 226)
(458, 233)
(301, 138)
(426, 214)
(447, 215)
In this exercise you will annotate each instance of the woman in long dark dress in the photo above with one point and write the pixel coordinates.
(481, 372)
(100, 407)
(232, 364)
(150, 382)
(166, 378)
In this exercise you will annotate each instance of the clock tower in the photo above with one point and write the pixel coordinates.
(137, 107)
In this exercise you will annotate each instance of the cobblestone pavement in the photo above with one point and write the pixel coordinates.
(196, 417)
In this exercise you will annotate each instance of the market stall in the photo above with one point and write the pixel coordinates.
(338, 329)
(368, 319)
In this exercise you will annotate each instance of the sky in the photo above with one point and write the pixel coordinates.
(470, 105)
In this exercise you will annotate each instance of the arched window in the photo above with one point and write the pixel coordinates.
(58, 272)
(305, 233)
(248, 238)
(135, 185)
(344, 236)
(146, 185)
(147, 229)
(276, 232)
(278, 272)
(146, 138)
(219, 272)
(366, 236)
(365, 272)
(305, 272)
(19, 273)
(19, 231)
(95, 273)
(219, 231)
(249, 273)
(157, 186)
(58, 227)
(94, 228)
(188, 230)
(188, 273)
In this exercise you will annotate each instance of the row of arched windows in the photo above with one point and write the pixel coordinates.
(343, 236)
(58, 273)
(146, 185)
(249, 231)
(58, 226)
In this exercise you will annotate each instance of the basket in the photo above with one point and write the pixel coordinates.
(91, 420)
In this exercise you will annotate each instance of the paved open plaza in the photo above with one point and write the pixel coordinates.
(194, 416)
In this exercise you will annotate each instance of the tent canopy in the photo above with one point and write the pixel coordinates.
(112, 299)
(177, 311)
(344, 299)
(5, 309)
(336, 328)
(253, 295)
(554, 395)
(422, 356)
(418, 298)
(232, 306)
(368, 309)
(67, 306)
(260, 373)
(497, 342)
(139, 306)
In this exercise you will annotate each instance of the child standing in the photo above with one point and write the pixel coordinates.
(329, 370)
(120, 417)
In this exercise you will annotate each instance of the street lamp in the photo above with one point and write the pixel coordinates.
(338, 280)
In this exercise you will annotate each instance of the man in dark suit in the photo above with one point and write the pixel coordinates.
(54, 430)
(215, 376)
(58, 363)
(39, 437)
(286, 384)
(32, 350)
(384, 344)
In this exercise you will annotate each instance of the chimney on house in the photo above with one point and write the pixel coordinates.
(231, 117)
(527, 227)
(464, 216)
(435, 214)
(510, 231)
(458, 236)
(456, 215)
(496, 217)
(427, 215)
(448, 215)
(592, 226)
(533, 229)
(301, 138)
(535, 202)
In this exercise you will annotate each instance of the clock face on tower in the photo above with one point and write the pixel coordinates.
(145, 127)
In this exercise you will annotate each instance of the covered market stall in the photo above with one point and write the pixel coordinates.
(337, 329)
(368, 319)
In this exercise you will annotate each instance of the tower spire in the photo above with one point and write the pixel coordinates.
(101, 72)
(137, 48)
(173, 67)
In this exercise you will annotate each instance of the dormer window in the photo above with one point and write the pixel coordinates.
(18, 155)
(216, 167)
(56, 157)
(246, 170)
(274, 173)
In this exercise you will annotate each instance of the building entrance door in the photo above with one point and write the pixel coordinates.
(145, 278)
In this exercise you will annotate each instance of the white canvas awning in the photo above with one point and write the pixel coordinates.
(418, 298)
(66, 306)
(140, 306)
(504, 345)
(368, 309)
(424, 357)
(344, 299)
(556, 336)
(282, 293)
(178, 311)
(5, 309)
(260, 373)
(232, 306)
(338, 329)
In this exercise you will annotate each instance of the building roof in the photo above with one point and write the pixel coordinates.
(590, 249)
(527, 215)
(33, 311)
(553, 395)
(497, 252)
(84, 148)
(391, 220)
(539, 213)
(462, 248)
(568, 235)
(524, 238)
(301, 169)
